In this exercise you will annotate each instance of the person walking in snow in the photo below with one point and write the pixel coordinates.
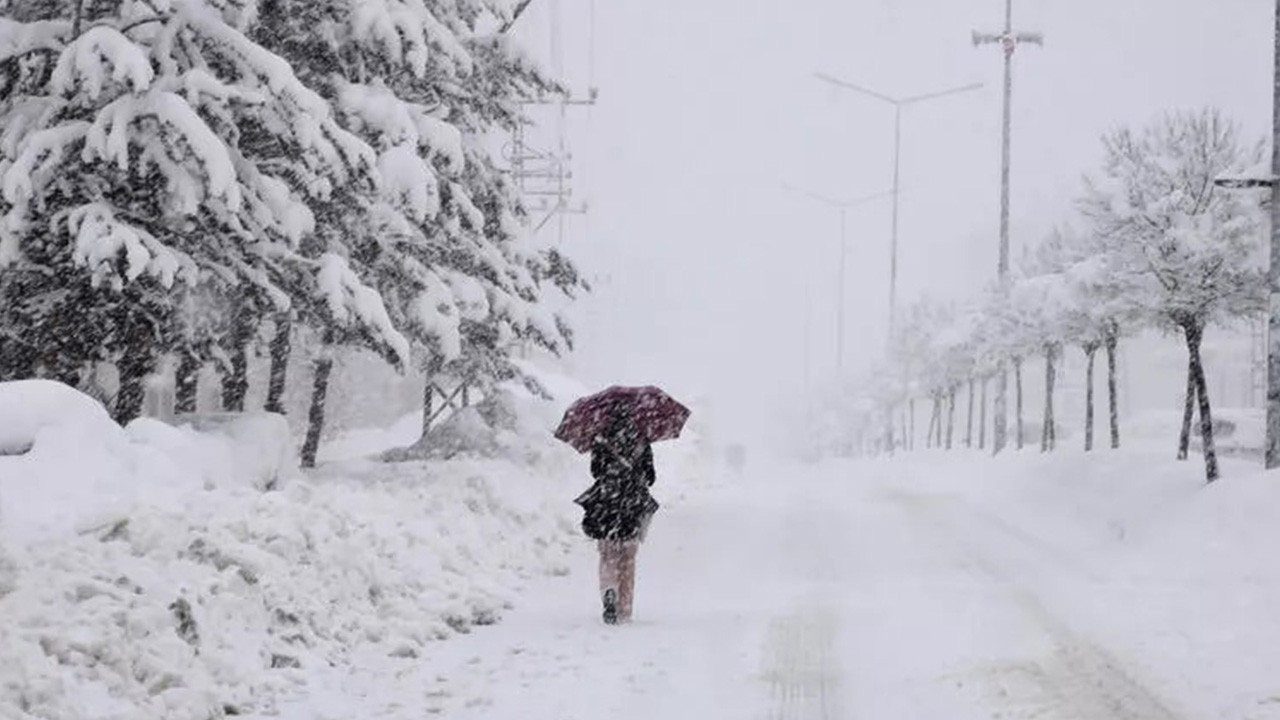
(618, 509)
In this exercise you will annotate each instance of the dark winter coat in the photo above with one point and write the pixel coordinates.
(618, 505)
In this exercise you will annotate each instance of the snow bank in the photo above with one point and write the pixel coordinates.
(227, 603)
(68, 468)
(79, 469)
(28, 407)
(254, 449)
(147, 575)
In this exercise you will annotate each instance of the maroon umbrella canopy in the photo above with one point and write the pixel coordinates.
(656, 415)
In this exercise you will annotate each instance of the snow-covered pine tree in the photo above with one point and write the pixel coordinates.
(158, 154)
(428, 90)
(1195, 255)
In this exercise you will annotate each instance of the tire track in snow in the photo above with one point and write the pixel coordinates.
(1079, 680)
(801, 668)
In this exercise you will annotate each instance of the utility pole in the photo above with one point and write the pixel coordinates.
(1273, 273)
(544, 177)
(1009, 40)
(898, 105)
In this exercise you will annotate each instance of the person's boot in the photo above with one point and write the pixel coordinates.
(611, 607)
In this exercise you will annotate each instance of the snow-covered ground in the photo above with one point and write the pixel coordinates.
(147, 572)
(183, 572)
(1062, 587)
(1066, 587)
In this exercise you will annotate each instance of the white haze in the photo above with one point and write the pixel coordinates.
(700, 258)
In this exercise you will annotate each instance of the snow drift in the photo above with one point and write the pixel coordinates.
(147, 574)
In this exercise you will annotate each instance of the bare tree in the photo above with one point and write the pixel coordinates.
(1189, 257)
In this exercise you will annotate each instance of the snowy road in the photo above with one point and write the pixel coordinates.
(800, 596)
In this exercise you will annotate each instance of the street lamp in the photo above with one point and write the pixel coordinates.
(1272, 448)
(898, 104)
(1273, 270)
(842, 206)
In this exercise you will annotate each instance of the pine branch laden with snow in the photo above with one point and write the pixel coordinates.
(101, 239)
(18, 39)
(100, 56)
(355, 306)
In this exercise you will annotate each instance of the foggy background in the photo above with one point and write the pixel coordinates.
(700, 259)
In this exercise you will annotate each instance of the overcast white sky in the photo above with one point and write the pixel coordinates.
(707, 106)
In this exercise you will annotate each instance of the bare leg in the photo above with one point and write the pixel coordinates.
(609, 564)
(626, 579)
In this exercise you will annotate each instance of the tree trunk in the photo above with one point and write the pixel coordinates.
(235, 381)
(16, 362)
(1017, 372)
(951, 415)
(1091, 352)
(1112, 394)
(942, 419)
(982, 417)
(279, 375)
(935, 418)
(1188, 411)
(315, 417)
(888, 430)
(186, 383)
(905, 444)
(1195, 336)
(968, 433)
(134, 367)
(911, 438)
(1000, 412)
(1048, 438)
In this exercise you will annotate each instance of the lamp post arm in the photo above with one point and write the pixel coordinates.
(942, 93)
(856, 88)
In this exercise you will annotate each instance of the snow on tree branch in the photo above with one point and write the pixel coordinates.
(100, 54)
(351, 302)
(101, 239)
(17, 39)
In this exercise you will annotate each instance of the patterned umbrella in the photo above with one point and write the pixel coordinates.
(655, 414)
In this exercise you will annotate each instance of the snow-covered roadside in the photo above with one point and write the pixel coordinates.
(144, 575)
(1132, 550)
(191, 594)
(229, 603)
